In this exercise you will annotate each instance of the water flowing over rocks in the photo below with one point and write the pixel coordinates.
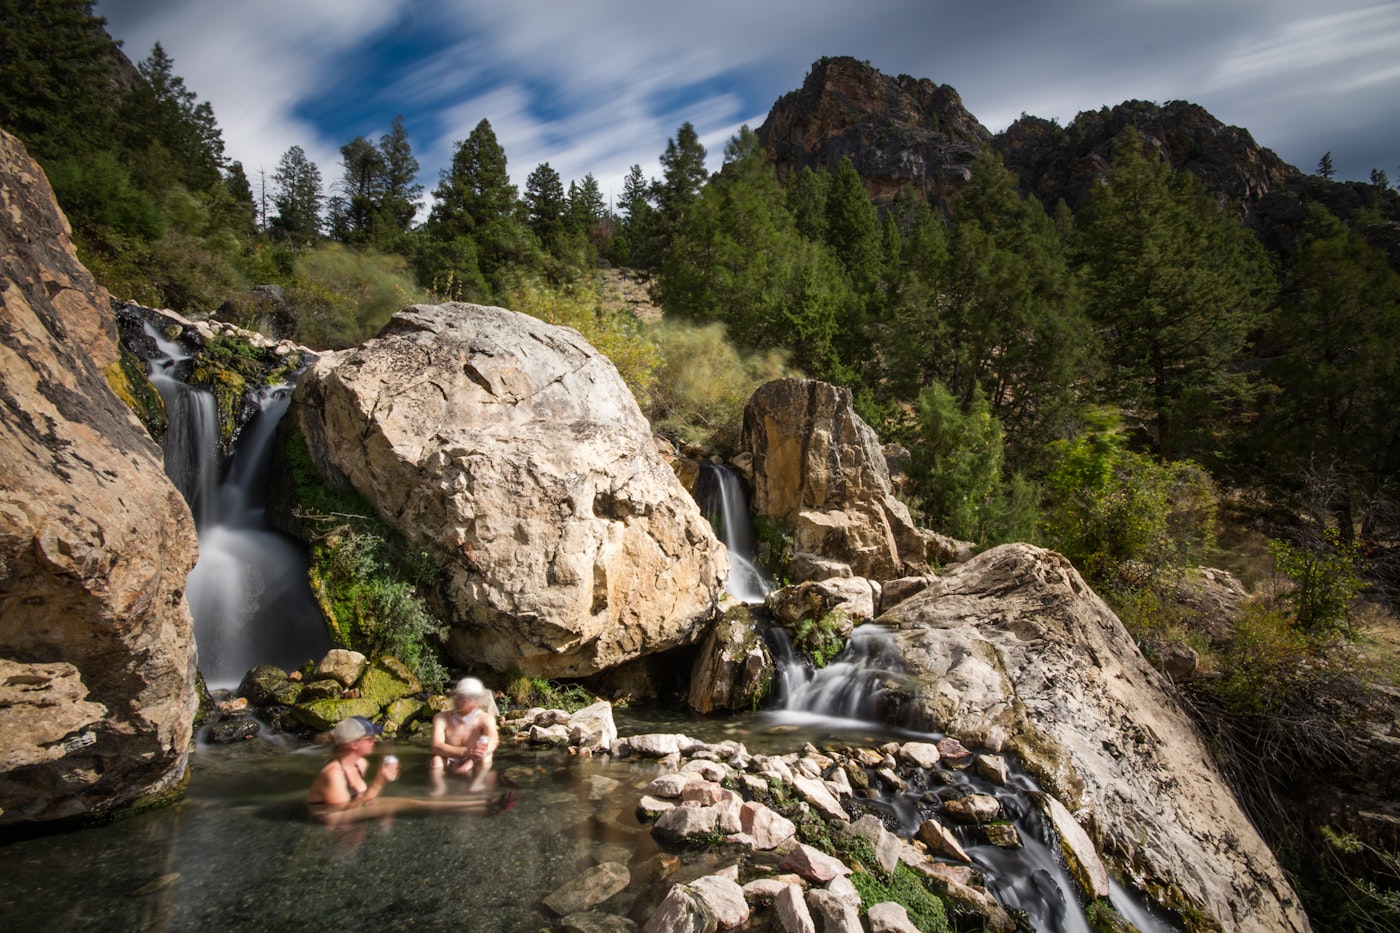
(513, 452)
(96, 640)
(819, 470)
(1013, 651)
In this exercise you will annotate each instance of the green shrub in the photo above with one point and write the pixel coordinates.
(1326, 581)
(703, 383)
(366, 576)
(340, 296)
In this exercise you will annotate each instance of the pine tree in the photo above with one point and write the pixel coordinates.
(545, 204)
(1337, 330)
(1174, 283)
(586, 208)
(475, 191)
(637, 242)
(56, 77)
(297, 197)
(1324, 167)
(351, 212)
(178, 135)
(1010, 319)
(399, 193)
(852, 226)
(682, 177)
(806, 200)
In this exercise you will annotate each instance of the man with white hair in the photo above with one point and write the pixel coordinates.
(464, 737)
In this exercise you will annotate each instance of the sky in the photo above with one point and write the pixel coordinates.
(600, 85)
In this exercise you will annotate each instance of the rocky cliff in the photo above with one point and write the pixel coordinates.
(896, 131)
(904, 131)
(513, 452)
(97, 662)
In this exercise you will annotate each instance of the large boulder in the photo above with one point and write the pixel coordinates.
(818, 469)
(733, 667)
(1012, 650)
(512, 451)
(96, 640)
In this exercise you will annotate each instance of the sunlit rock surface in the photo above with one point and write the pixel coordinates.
(1013, 650)
(513, 452)
(96, 640)
(819, 471)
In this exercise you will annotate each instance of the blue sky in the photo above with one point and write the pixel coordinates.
(599, 86)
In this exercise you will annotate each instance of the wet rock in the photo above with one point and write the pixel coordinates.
(681, 911)
(323, 689)
(733, 667)
(267, 685)
(229, 731)
(919, 754)
(991, 768)
(1078, 849)
(724, 898)
(322, 715)
(813, 864)
(596, 921)
(953, 751)
(549, 735)
(589, 889)
(1016, 652)
(1002, 835)
(941, 841)
(974, 808)
(649, 808)
(342, 665)
(894, 592)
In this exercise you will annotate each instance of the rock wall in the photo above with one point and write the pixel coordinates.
(1012, 650)
(512, 451)
(97, 662)
(818, 469)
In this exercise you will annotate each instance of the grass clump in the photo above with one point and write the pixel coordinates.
(526, 692)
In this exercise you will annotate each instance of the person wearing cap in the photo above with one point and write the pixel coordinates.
(464, 737)
(341, 791)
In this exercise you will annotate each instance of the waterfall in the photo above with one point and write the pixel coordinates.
(720, 495)
(849, 690)
(248, 593)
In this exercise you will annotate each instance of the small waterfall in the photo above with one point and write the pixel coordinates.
(720, 495)
(849, 690)
(248, 593)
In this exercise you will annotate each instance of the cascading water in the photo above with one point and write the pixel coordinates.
(248, 593)
(848, 694)
(720, 495)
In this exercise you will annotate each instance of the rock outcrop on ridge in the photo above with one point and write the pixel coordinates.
(513, 452)
(97, 656)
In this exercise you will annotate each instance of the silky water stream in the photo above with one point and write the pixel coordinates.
(248, 593)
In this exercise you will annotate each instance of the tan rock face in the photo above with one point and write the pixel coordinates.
(95, 542)
(1012, 650)
(513, 452)
(819, 470)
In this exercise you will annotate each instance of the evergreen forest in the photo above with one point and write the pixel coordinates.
(1142, 384)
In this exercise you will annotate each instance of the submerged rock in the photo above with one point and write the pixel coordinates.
(512, 451)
